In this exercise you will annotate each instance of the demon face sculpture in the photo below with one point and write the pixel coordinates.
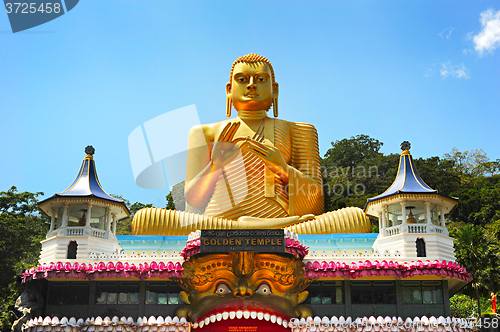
(260, 291)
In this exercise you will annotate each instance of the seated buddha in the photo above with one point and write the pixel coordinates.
(252, 171)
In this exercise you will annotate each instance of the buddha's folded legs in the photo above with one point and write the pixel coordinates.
(156, 221)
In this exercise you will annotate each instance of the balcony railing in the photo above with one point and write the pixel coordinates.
(81, 231)
(416, 229)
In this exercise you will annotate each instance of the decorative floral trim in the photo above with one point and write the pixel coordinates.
(192, 248)
(314, 269)
(295, 248)
(355, 270)
(103, 270)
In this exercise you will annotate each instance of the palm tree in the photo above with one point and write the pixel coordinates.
(478, 255)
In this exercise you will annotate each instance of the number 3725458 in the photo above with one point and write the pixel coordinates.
(32, 8)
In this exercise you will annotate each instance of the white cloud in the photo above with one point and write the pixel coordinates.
(489, 38)
(446, 33)
(457, 71)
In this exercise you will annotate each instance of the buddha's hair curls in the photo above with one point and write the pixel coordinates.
(252, 58)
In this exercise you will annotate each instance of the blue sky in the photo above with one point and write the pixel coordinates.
(423, 71)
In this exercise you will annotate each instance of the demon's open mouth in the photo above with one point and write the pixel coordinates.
(255, 320)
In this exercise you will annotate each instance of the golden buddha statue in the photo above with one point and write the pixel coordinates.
(252, 171)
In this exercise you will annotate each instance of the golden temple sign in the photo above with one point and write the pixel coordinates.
(258, 240)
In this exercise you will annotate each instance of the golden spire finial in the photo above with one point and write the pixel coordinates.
(405, 146)
(89, 150)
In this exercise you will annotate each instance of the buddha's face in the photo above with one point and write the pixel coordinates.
(260, 286)
(251, 88)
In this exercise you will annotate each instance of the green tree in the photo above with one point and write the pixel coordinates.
(170, 202)
(354, 170)
(480, 257)
(350, 152)
(461, 306)
(464, 306)
(22, 229)
(124, 227)
(439, 174)
(178, 201)
(471, 166)
(137, 206)
(480, 205)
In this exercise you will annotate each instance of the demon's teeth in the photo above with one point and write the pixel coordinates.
(239, 315)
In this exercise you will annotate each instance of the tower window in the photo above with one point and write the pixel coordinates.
(72, 248)
(420, 247)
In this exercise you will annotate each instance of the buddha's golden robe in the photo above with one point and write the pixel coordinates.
(247, 188)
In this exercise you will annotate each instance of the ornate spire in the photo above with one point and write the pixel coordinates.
(90, 150)
(87, 183)
(405, 146)
(407, 179)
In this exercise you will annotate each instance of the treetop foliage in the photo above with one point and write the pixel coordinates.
(350, 152)
(14, 203)
(22, 229)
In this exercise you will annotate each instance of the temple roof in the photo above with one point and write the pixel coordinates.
(407, 179)
(87, 183)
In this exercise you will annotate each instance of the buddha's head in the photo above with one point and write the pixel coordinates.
(258, 285)
(252, 86)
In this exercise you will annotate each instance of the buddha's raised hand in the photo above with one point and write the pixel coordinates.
(270, 155)
(224, 150)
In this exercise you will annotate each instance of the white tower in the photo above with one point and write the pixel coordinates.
(82, 219)
(412, 215)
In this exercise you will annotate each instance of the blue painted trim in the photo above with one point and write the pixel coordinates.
(151, 238)
(335, 236)
(316, 242)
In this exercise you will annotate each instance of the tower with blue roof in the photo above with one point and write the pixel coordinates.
(412, 215)
(83, 218)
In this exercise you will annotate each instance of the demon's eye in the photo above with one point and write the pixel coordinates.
(263, 289)
(222, 289)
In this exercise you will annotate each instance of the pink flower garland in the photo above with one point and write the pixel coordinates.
(102, 270)
(384, 268)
